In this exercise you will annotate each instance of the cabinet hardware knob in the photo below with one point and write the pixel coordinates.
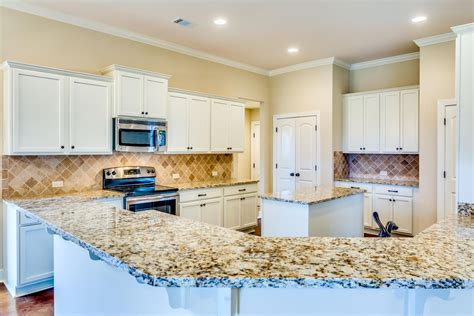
(62, 147)
(292, 174)
(204, 204)
(242, 190)
(146, 113)
(401, 148)
(202, 194)
(143, 112)
(297, 174)
(72, 147)
(393, 191)
(360, 148)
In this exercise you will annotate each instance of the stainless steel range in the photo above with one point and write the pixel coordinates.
(141, 192)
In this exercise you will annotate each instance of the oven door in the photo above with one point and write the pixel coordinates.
(134, 137)
(161, 203)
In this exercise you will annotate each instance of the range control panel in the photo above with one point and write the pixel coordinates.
(129, 172)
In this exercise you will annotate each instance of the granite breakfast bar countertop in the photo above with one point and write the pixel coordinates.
(404, 183)
(194, 185)
(311, 196)
(170, 251)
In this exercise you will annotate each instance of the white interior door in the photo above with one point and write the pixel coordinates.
(409, 121)
(450, 145)
(90, 116)
(371, 123)
(155, 92)
(390, 102)
(177, 122)
(199, 124)
(305, 152)
(255, 148)
(354, 123)
(285, 154)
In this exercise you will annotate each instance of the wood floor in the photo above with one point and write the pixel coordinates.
(38, 304)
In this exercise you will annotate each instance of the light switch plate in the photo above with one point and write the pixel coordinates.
(175, 176)
(383, 173)
(57, 184)
(215, 173)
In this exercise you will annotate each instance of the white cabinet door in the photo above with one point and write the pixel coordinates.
(155, 92)
(236, 127)
(305, 158)
(129, 94)
(232, 217)
(199, 124)
(219, 126)
(390, 103)
(409, 121)
(371, 123)
(212, 212)
(36, 254)
(368, 210)
(90, 116)
(38, 112)
(383, 205)
(285, 155)
(354, 124)
(191, 210)
(248, 211)
(177, 122)
(403, 214)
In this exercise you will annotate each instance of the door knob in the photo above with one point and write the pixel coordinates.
(297, 174)
(292, 174)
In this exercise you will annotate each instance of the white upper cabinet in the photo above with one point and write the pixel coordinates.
(227, 126)
(139, 92)
(236, 127)
(199, 123)
(52, 111)
(177, 122)
(381, 122)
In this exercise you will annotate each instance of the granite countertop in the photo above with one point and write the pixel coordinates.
(193, 185)
(84, 195)
(413, 184)
(170, 251)
(311, 196)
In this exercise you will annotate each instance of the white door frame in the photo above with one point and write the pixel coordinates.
(442, 104)
(277, 117)
(253, 124)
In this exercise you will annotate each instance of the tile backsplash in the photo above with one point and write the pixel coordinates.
(368, 166)
(33, 175)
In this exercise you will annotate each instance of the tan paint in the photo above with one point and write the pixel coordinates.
(340, 86)
(437, 68)
(386, 76)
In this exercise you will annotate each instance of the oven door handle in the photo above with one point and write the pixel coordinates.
(146, 199)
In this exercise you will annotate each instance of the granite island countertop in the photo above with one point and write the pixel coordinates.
(170, 251)
(311, 196)
(404, 183)
(194, 185)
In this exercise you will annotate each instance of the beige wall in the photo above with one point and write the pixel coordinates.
(386, 76)
(340, 86)
(243, 160)
(437, 67)
(308, 90)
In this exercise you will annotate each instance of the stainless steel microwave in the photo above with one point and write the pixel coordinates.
(140, 134)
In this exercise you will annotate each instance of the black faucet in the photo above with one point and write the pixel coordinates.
(384, 231)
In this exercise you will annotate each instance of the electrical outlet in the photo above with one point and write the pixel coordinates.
(175, 176)
(57, 184)
(383, 173)
(215, 173)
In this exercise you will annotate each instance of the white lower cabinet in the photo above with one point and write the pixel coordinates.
(232, 206)
(207, 211)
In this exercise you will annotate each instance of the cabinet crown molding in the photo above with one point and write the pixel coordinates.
(436, 39)
(205, 95)
(7, 65)
(463, 28)
(116, 67)
(381, 90)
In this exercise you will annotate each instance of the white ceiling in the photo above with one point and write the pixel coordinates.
(259, 31)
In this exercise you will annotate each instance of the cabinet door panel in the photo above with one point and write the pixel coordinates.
(390, 121)
(232, 211)
(38, 112)
(90, 116)
(129, 94)
(191, 210)
(36, 254)
(383, 206)
(403, 214)
(211, 212)
(177, 122)
(285, 155)
(305, 160)
(155, 92)
(368, 210)
(219, 126)
(354, 124)
(371, 123)
(409, 121)
(249, 210)
(199, 124)
(236, 127)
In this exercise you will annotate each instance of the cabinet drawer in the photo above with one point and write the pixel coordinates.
(393, 190)
(26, 220)
(196, 195)
(365, 186)
(240, 189)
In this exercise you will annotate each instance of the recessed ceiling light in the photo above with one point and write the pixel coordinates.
(419, 19)
(293, 50)
(220, 21)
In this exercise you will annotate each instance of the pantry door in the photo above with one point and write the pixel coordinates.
(305, 152)
(285, 151)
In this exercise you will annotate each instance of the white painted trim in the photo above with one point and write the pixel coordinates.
(318, 141)
(463, 28)
(302, 66)
(437, 39)
(253, 124)
(442, 104)
(385, 61)
(381, 90)
(137, 71)
(206, 95)
(1, 276)
(115, 31)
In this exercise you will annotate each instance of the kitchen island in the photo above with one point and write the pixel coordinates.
(109, 261)
(321, 212)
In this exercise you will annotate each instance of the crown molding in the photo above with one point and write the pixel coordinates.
(137, 71)
(385, 61)
(115, 31)
(437, 39)
(463, 28)
(307, 65)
